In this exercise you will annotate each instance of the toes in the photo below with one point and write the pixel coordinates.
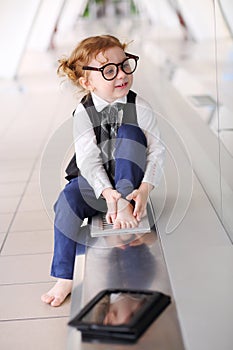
(58, 293)
(52, 299)
(57, 301)
(134, 223)
(123, 224)
(116, 225)
(46, 298)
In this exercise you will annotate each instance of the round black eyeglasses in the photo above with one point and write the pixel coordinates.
(110, 70)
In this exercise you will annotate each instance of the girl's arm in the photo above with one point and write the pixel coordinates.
(148, 122)
(88, 156)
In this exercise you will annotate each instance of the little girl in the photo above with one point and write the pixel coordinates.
(118, 154)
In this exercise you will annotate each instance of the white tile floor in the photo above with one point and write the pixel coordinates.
(31, 110)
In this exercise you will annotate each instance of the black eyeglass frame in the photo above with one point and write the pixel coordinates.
(101, 69)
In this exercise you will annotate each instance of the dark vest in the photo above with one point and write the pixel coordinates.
(129, 117)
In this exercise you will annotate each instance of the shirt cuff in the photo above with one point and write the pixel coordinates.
(153, 175)
(99, 185)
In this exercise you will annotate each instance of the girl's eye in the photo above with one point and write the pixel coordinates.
(126, 66)
(109, 70)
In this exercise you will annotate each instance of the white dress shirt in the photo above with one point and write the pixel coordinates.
(88, 154)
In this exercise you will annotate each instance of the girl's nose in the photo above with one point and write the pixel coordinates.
(120, 73)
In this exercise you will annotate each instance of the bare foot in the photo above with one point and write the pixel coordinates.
(125, 218)
(56, 295)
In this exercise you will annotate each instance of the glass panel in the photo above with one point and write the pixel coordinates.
(191, 68)
(224, 50)
(227, 10)
(199, 66)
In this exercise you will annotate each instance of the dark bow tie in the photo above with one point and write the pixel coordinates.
(119, 106)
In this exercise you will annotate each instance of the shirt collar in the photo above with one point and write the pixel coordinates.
(100, 104)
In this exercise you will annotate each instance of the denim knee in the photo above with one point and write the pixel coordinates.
(132, 132)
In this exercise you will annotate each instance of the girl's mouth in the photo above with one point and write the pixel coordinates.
(122, 85)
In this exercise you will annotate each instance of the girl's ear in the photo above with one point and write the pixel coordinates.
(85, 83)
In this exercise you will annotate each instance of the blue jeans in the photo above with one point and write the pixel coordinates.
(78, 201)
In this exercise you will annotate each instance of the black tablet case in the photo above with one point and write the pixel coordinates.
(121, 333)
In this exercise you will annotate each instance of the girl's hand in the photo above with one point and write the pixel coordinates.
(140, 197)
(111, 196)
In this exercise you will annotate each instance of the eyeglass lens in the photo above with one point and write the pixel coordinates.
(111, 70)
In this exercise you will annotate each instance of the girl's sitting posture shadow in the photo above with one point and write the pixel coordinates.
(118, 154)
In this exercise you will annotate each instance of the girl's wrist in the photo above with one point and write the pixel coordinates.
(106, 192)
(146, 187)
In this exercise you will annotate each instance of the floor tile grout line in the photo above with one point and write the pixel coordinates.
(29, 178)
(25, 283)
(32, 231)
(25, 254)
(27, 231)
(12, 183)
(19, 202)
(33, 318)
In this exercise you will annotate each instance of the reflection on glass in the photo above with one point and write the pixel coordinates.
(227, 10)
(116, 308)
(225, 122)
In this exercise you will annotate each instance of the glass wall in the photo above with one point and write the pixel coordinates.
(199, 65)
(224, 49)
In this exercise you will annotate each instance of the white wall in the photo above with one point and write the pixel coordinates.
(161, 15)
(44, 24)
(16, 18)
(72, 10)
(227, 8)
(199, 15)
